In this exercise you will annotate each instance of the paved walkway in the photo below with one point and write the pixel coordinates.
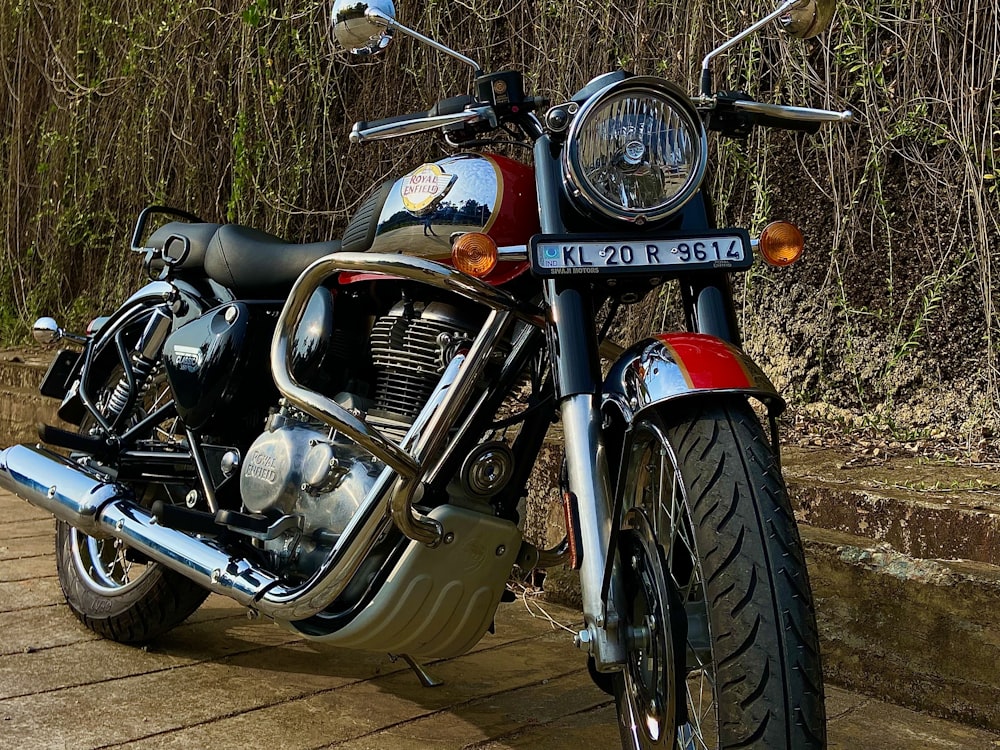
(220, 681)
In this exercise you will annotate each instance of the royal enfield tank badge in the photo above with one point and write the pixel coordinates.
(425, 187)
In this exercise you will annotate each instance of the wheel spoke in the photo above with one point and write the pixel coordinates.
(95, 552)
(658, 488)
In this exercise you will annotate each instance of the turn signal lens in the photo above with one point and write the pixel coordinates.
(781, 243)
(474, 253)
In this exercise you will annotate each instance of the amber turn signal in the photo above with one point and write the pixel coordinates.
(474, 253)
(781, 243)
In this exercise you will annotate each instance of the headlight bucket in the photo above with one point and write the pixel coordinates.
(635, 152)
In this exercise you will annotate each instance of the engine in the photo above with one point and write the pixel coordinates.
(410, 349)
(297, 467)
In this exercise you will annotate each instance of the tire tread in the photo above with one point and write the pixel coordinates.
(741, 509)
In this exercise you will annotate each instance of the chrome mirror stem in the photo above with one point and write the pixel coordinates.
(378, 17)
(706, 74)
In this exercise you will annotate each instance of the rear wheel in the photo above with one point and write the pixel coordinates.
(113, 590)
(708, 514)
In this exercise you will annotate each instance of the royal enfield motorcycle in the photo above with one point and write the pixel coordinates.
(339, 435)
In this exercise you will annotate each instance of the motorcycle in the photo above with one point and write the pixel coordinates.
(338, 435)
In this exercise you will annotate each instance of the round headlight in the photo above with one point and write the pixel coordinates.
(636, 151)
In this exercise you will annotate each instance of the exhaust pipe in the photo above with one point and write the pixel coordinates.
(71, 493)
(100, 507)
(96, 506)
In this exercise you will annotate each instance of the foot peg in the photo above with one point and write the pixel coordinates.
(256, 526)
(72, 441)
(185, 519)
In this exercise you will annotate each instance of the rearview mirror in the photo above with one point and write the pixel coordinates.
(808, 18)
(362, 27)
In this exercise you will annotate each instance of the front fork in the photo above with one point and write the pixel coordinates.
(573, 355)
(587, 473)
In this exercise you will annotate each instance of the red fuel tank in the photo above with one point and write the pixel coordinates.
(421, 211)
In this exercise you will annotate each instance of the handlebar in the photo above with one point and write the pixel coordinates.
(733, 113)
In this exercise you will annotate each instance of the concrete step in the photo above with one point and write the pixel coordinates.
(921, 507)
(23, 368)
(904, 558)
(21, 405)
(917, 632)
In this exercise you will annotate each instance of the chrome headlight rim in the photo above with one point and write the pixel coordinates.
(575, 182)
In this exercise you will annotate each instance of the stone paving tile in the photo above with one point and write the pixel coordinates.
(23, 568)
(869, 724)
(28, 527)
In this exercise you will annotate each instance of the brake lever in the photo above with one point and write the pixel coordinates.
(798, 114)
(734, 114)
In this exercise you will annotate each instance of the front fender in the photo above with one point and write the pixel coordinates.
(670, 366)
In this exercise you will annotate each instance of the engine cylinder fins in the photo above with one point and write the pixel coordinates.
(487, 469)
(393, 426)
(410, 347)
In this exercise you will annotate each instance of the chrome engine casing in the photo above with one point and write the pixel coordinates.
(296, 468)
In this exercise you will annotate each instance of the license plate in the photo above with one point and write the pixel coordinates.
(558, 255)
(54, 384)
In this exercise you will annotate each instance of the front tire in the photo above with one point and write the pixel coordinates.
(703, 477)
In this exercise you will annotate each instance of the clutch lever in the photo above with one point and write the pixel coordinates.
(419, 123)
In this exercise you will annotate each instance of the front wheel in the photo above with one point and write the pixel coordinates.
(709, 550)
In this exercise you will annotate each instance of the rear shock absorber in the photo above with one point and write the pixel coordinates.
(139, 366)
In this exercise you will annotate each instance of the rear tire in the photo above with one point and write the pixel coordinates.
(136, 603)
(705, 477)
(111, 589)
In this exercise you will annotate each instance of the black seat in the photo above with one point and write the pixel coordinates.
(198, 236)
(247, 260)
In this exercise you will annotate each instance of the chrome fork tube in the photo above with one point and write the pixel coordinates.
(574, 358)
(587, 469)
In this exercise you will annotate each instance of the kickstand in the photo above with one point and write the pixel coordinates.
(425, 679)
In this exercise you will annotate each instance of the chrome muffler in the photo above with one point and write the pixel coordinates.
(100, 507)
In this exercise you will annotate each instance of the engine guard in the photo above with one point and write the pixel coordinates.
(669, 366)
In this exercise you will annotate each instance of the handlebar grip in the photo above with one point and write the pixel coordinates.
(452, 105)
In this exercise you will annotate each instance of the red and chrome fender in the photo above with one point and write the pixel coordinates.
(670, 366)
